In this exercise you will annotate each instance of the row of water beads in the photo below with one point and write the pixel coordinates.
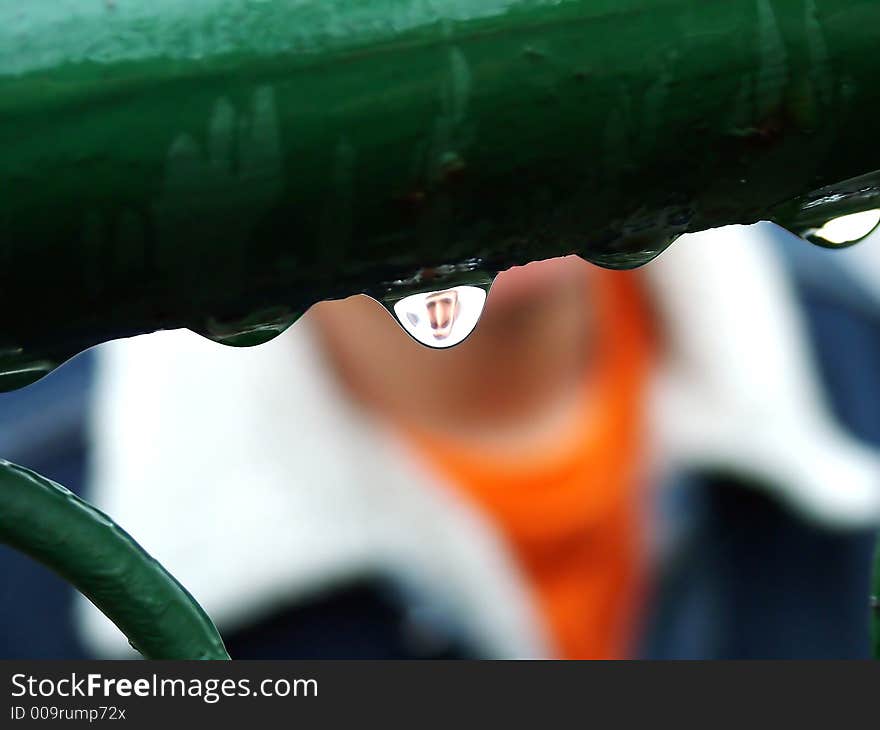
(445, 318)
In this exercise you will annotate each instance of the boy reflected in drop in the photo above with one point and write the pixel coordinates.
(537, 420)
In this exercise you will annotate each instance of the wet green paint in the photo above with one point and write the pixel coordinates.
(84, 546)
(223, 164)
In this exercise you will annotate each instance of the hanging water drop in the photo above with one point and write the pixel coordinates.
(835, 216)
(443, 318)
(845, 230)
(23, 375)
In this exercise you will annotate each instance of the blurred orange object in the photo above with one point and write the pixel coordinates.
(571, 510)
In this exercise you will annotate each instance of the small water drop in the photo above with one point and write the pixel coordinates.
(834, 216)
(24, 375)
(256, 329)
(844, 230)
(442, 318)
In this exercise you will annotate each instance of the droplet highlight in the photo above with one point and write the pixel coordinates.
(845, 230)
(835, 216)
(441, 319)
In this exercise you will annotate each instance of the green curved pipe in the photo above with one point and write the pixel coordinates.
(84, 546)
(223, 164)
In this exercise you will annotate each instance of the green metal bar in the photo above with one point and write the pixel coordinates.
(223, 164)
(85, 547)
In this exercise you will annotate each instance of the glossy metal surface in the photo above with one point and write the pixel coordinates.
(84, 546)
(223, 164)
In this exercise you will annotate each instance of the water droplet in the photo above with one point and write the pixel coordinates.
(630, 252)
(844, 230)
(256, 329)
(442, 318)
(834, 216)
(24, 375)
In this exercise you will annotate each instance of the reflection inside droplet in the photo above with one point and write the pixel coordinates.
(441, 318)
(846, 228)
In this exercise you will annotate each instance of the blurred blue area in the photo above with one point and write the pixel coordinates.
(43, 427)
(752, 581)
